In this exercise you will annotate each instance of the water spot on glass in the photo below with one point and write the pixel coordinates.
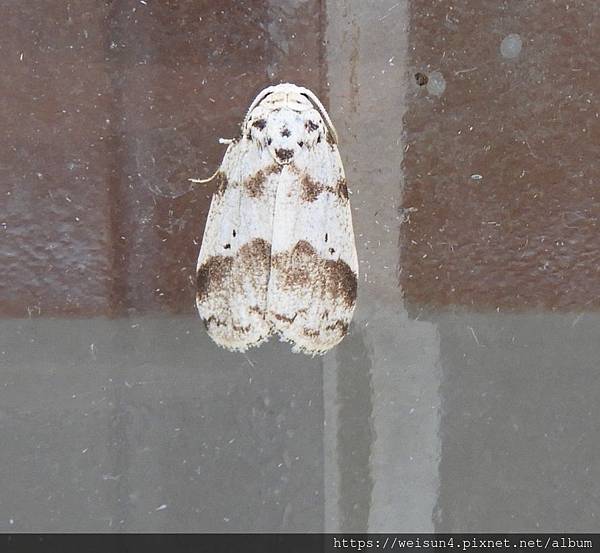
(511, 46)
(436, 84)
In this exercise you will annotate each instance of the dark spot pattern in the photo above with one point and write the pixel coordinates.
(286, 132)
(421, 79)
(310, 189)
(341, 326)
(212, 320)
(284, 154)
(255, 185)
(259, 124)
(311, 126)
(221, 182)
(342, 188)
(257, 309)
(330, 139)
(284, 318)
(275, 169)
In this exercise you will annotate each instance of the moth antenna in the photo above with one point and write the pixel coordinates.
(227, 141)
(204, 181)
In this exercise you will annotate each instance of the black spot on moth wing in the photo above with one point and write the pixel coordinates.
(285, 132)
(311, 126)
(303, 267)
(259, 124)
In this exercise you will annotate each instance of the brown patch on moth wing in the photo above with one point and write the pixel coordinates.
(284, 318)
(221, 182)
(311, 333)
(310, 189)
(302, 267)
(274, 169)
(255, 185)
(255, 255)
(241, 329)
(257, 309)
(341, 188)
(212, 320)
(297, 265)
(338, 325)
(329, 137)
(212, 273)
(341, 281)
(220, 277)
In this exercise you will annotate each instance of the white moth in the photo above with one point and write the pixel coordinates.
(278, 253)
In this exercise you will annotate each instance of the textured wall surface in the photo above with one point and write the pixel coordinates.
(501, 173)
(107, 109)
(465, 395)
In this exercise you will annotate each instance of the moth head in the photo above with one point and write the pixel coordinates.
(287, 120)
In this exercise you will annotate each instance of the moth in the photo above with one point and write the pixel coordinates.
(278, 253)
